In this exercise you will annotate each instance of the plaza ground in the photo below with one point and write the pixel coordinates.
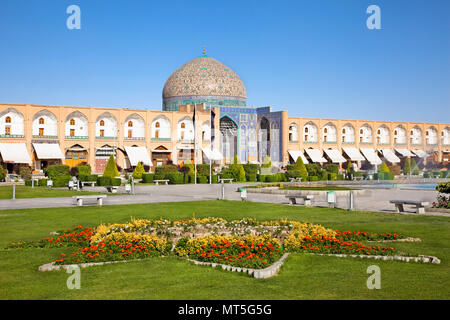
(302, 276)
(371, 200)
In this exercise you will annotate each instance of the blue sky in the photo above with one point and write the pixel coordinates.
(314, 58)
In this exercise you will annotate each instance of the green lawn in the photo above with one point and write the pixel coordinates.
(302, 276)
(6, 192)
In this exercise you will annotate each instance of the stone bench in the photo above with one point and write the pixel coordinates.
(165, 181)
(112, 189)
(223, 180)
(92, 183)
(307, 199)
(295, 179)
(99, 198)
(420, 205)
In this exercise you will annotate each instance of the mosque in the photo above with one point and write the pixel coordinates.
(205, 118)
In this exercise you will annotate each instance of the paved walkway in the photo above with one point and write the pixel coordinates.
(375, 200)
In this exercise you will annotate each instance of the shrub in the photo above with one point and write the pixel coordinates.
(395, 169)
(92, 177)
(332, 176)
(2, 173)
(111, 168)
(214, 178)
(25, 173)
(323, 175)
(383, 168)
(203, 169)
(251, 177)
(313, 169)
(332, 168)
(236, 160)
(116, 182)
(443, 187)
(61, 181)
(74, 171)
(188, 164)
(313, 178)
(272, 178)
(28, 183)
(267, 163)
(202, 179)
(138, 171)
(175, 177)
(407, 166)
(444, 174)
(56, 170)
(293, 174)
(250, 168)
(84, 170)
(104, 181)
(340, 176)
(42, 182)
(261, 178)
(162, 170)
(148, 177)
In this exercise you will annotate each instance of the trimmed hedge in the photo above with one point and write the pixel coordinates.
(61, 181)
(56, 170)
(250, 168)
(42, 182)
(215, 178)
(175, 177)
(313, 178)
(203, 169)
(162, 170)
(104, 181)
(261, 178)
(251, 177)
(116, 182)
(89, 177)
(84, 170)
(202, 179)
(148, 177)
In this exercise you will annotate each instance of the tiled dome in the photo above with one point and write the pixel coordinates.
(205, 77)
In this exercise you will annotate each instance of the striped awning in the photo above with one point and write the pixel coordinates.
(138, 154)
(354, 154)
(405, 152)
(420, 153)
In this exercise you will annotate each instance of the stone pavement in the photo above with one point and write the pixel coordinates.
(375, 200)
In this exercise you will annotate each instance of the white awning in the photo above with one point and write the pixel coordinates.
(405, 152)
(371, 156)
(15, 153)
(316, 155)
(296, 153)
(138, 154)
(335, 155)
(214, 155)
(390, 155)
(48, 151)
(420, 153)
(354, 154)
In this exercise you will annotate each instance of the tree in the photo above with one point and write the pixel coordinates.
(407, 166)
(267, 163)
(241, 176)
(2, 173)
(414, 168)
(236, 160)
(384, 168)
(300, 166)
(111, 168)
(138, 171)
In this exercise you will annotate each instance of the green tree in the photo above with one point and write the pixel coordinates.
(384, 168)
(2, 173)
(236, 160)
(267, 162)
(414, 167)
(407, 166)
(241, 177)
(111, 168)
(138, 171)
(300, 166)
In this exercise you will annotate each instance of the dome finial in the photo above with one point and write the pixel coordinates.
(204, 50)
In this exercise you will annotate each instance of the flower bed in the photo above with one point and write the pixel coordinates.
(244, 243)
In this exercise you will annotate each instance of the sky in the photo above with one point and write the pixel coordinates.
(314, 58)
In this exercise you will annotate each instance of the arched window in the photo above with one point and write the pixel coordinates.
(102, 123)
(72, 122)
(130, 123)
(41, 121)
(8, 119)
